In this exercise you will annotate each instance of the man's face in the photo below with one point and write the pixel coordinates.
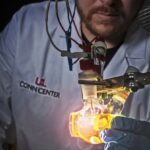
(108, 18)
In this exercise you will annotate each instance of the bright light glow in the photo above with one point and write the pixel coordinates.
(88, 126)
(97, 114)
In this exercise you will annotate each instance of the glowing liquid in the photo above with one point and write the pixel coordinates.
(100, 105)
(88, 126)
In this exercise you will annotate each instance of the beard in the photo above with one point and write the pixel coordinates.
(101, 27)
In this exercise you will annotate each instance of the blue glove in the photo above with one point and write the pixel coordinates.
(127, 134)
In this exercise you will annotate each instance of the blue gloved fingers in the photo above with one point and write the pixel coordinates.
(113, 136)
(131, 125)
(113, 146)
(127, 140)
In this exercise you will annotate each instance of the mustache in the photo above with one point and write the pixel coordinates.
(105, 10)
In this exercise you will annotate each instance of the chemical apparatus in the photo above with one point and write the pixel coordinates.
(102, 99)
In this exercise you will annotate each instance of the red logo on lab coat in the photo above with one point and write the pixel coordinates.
(40, 82)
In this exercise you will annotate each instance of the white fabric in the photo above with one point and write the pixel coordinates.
(42, 120)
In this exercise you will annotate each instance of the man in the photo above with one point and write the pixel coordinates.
(37, 90)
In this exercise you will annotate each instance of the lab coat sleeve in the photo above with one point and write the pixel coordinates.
(9, 43)
(8, 39)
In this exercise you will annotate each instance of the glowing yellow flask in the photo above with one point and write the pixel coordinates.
(87, 124)
(100, 106)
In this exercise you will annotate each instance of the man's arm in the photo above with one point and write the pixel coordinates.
(8, 44)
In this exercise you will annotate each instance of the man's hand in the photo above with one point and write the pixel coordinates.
(127, 134)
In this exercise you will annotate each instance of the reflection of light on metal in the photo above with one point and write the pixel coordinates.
(100, 106)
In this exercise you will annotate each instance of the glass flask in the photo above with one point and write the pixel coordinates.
(100, 106)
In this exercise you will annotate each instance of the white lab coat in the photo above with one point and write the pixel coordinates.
(41, 113)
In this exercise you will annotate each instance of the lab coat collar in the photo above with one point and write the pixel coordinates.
(136, 40)
(131, 52)
(137, 48)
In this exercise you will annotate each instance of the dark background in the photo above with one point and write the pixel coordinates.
(9, 7)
